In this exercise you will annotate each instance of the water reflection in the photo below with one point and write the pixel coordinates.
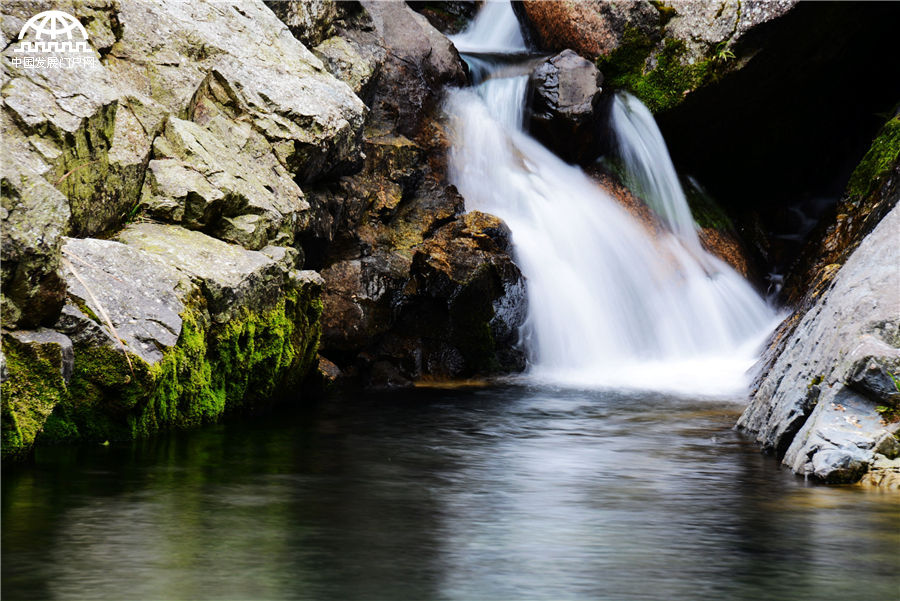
(496, 493)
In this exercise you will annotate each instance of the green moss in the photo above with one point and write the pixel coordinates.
(213, 369)
(705, 210)
(666, 85)
(34, 386)
(814, 381)
(877, 163)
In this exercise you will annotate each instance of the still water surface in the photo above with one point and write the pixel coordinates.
(497, 493)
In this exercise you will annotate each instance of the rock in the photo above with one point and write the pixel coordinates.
(592, 27)
(223, 179)
(231, 278)
(356, 53)
(659, 51)
(359, 300)
(34, 217)
(447, 17)
(237, 58)
(138, 293)
(817, 404)
(37, 367)
(420, 62)
(170, 328)
(311, 21)
(466, 264)
(93, 134)
(565, 109)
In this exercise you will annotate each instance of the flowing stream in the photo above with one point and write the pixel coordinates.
(610, 302)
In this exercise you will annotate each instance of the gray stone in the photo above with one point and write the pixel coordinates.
(230, 277)
(140, 295)
(92, 131)
(817, 402)
(565, 108)
(262, 74)
(34, 217)
(223, 179)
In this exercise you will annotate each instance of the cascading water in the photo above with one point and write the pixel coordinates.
(610, 302)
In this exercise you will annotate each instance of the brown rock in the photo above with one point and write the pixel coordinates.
(591, 28)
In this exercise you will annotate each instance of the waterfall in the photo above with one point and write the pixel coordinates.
(495, 29)
(611, 303)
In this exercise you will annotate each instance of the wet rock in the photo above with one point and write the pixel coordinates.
(37, 367)
(566, 110)
(817, 403)
(223, 179)
(420, 62)
(467, 265)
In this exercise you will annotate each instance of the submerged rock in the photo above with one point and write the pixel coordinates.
(816, 405)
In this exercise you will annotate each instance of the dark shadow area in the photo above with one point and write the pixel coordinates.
(775, 142)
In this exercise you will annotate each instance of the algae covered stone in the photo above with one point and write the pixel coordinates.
(173, 328)
(36, 368)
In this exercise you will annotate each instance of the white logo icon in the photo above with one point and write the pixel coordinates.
(55, 33)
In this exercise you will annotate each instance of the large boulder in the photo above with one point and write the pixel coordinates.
(238, 58)
(567, 112)
(168, 327)
(414, 288)
(420, 62)
(819, 405)
(93, 134)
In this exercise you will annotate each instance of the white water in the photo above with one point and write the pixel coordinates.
(610, 303)
(494, 29)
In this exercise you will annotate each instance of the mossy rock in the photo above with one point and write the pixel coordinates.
(34, 368)
(164, 338)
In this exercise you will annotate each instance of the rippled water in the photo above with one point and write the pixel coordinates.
(497, 493)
